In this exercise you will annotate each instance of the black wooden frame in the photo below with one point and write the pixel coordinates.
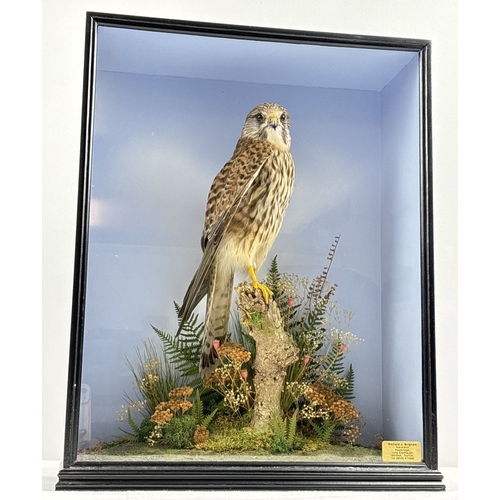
(251, 475)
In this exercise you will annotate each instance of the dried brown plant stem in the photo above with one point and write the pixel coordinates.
(275, 350)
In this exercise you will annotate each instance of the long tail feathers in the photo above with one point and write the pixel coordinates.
(220, 290)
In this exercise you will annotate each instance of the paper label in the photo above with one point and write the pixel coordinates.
(401, 451)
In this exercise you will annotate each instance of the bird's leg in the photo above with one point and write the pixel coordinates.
(266, 292)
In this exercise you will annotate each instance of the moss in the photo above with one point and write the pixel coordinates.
(231, 440)
(255, 318)
(309, 449)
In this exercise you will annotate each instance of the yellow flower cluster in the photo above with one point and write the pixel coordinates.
(350, 434)
(232, 356)
(323, 397)
(180, 393)
(229, 380)
(123, 412)
(149, 381)
(164, 412)
(176, 405)
(152, 364)
(235, 352)
(218, 377)
(200, 434)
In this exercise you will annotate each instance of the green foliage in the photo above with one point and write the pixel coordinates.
(135, 428)
(348, 392)
(284, 433)
(334, 359)
(184, 354)
(330, 370)
(138, 433)
(134, 433)
(184, 351)
(307, 309)
(179, 432)
(227, 421)
(198, 413)
(236, 439)
(282, 295)
(325, 431)
(145, 429)
(154, 378)
(273, 278)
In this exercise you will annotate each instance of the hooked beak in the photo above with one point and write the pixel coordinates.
(274, 122)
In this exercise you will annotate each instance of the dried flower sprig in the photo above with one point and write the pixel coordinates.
(176, 406)
(231, 380)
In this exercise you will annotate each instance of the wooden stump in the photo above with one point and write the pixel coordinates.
(275, 350)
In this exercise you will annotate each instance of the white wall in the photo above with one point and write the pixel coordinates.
(401, 270)
(63, 45)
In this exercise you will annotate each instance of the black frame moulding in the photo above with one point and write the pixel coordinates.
(115, 475)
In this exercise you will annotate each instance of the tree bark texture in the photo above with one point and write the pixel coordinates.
(275, 350)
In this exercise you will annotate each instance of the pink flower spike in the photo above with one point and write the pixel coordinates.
(244, 374)
(291, 301)
(216, 344)
(342, 346)
(306, 359)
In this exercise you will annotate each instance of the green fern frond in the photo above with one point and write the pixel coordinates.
(184, 351)
(348, 393)
(130, 421)
(278, 427)
(292, 428)
(325, 430)
(208, 418)
(197, 408)
(284, 432)
(334, 361)
(273, 276)
(134, 434)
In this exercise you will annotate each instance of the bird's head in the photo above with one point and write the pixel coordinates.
(268, 122)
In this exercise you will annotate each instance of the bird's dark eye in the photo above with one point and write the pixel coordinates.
(259, 117)
(283, 117)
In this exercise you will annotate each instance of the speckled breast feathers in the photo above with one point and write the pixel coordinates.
(245, 209)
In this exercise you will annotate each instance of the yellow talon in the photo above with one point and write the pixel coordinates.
(266, 292)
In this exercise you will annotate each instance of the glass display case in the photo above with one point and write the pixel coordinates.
(351, 268)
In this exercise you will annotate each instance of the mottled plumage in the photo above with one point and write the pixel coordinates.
(245, 209)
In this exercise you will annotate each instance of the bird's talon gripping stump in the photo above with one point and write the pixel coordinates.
(266, 292)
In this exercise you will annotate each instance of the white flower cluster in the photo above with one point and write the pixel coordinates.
(289, 284)
(234, 399)
(152, 365)
(313, 410)
(122, 413)
(155, 436)
(335, 382)
(148, 382)
(340, 316)
(295, 390)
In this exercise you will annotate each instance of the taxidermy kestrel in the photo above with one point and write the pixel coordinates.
(245, 209)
